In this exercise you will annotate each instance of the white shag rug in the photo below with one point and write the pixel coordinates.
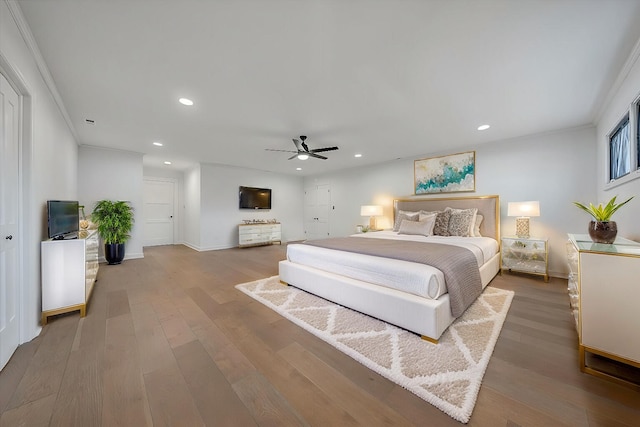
(447, 374)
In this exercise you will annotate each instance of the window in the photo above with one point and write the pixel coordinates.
(620, 150)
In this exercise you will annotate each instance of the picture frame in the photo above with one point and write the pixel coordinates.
(445, 174)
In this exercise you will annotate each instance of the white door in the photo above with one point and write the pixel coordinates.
(317, 201)
(9, 225)
(158, 212)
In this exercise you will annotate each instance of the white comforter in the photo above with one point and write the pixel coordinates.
(418, 279)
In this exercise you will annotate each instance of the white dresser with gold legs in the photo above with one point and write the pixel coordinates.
(604, 291)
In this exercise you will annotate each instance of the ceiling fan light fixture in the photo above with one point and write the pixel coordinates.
(303, 156)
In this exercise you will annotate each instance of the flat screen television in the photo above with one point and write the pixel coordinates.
(63, 219)
(255, 198)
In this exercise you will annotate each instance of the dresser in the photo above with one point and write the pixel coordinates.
(259, 234)
(604, 295)
(69, 272)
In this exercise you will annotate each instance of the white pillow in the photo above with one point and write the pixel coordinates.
(476, 227)
(423, 228)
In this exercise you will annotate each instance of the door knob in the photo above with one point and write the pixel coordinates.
(9, 237)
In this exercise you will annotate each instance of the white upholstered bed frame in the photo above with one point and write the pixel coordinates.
(426, 317)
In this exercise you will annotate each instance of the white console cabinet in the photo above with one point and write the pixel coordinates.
(604, 295)
(69, 271)
(259, 234)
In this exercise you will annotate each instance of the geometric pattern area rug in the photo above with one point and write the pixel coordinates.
(447, 375)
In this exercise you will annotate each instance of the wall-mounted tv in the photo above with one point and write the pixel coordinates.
(63, 219)
(255, 198)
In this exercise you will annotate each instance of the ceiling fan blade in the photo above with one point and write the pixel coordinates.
(298, 146)
(284, 151)
(304, 145)
(293, 157)
(320, 150)
(317, 156)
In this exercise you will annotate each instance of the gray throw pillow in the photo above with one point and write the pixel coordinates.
(424, 227)
(441, 227)
(402, 215)
(462, 221)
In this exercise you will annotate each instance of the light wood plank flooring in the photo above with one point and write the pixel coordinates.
(168, 341)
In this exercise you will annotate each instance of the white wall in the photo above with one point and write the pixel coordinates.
(220, 215)
(114, 175)
(49, 158)
(629, 90)
(551, 168)
(192, 204)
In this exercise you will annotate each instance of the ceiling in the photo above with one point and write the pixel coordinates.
(386, 79)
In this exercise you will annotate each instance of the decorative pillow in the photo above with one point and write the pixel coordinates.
(423, 228)
(441, 227)
(402, 215)
(462, 221)
(476, 227)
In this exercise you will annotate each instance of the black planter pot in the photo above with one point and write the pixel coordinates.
(114, 252)
(603, 231)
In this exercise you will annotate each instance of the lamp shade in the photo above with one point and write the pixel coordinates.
(531, 208)
(371, 210)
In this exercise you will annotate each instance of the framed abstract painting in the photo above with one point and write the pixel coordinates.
(445, 174)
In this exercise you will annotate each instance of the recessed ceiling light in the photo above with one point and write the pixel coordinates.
(483, 127)
(158, 144)
(357, 155)
(298, 169)
(167, 163)
(185, 101)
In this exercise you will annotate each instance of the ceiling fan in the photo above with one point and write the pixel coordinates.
(303, 152)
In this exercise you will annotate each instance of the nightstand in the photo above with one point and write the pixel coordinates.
(526, 255)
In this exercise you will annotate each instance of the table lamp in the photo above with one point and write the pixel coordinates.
(522, 211)
(372, 211)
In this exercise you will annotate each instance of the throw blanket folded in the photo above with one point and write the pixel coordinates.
(458, 265)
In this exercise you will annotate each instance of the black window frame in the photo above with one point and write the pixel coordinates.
(619, 128)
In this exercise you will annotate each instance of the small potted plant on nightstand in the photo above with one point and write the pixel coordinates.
(602, 229)
(114, 221)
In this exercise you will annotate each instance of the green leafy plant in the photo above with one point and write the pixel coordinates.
(603, 213)
(114, 220)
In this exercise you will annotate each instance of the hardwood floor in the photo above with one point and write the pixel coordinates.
(169, 341)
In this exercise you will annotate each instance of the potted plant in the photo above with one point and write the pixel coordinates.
(114, 221)
(602, 229)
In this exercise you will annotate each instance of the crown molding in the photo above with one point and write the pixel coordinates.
(27, 36)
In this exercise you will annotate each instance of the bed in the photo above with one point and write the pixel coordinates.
(403, 292)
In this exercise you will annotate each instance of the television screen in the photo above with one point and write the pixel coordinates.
(255, 198)
(62, 218)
